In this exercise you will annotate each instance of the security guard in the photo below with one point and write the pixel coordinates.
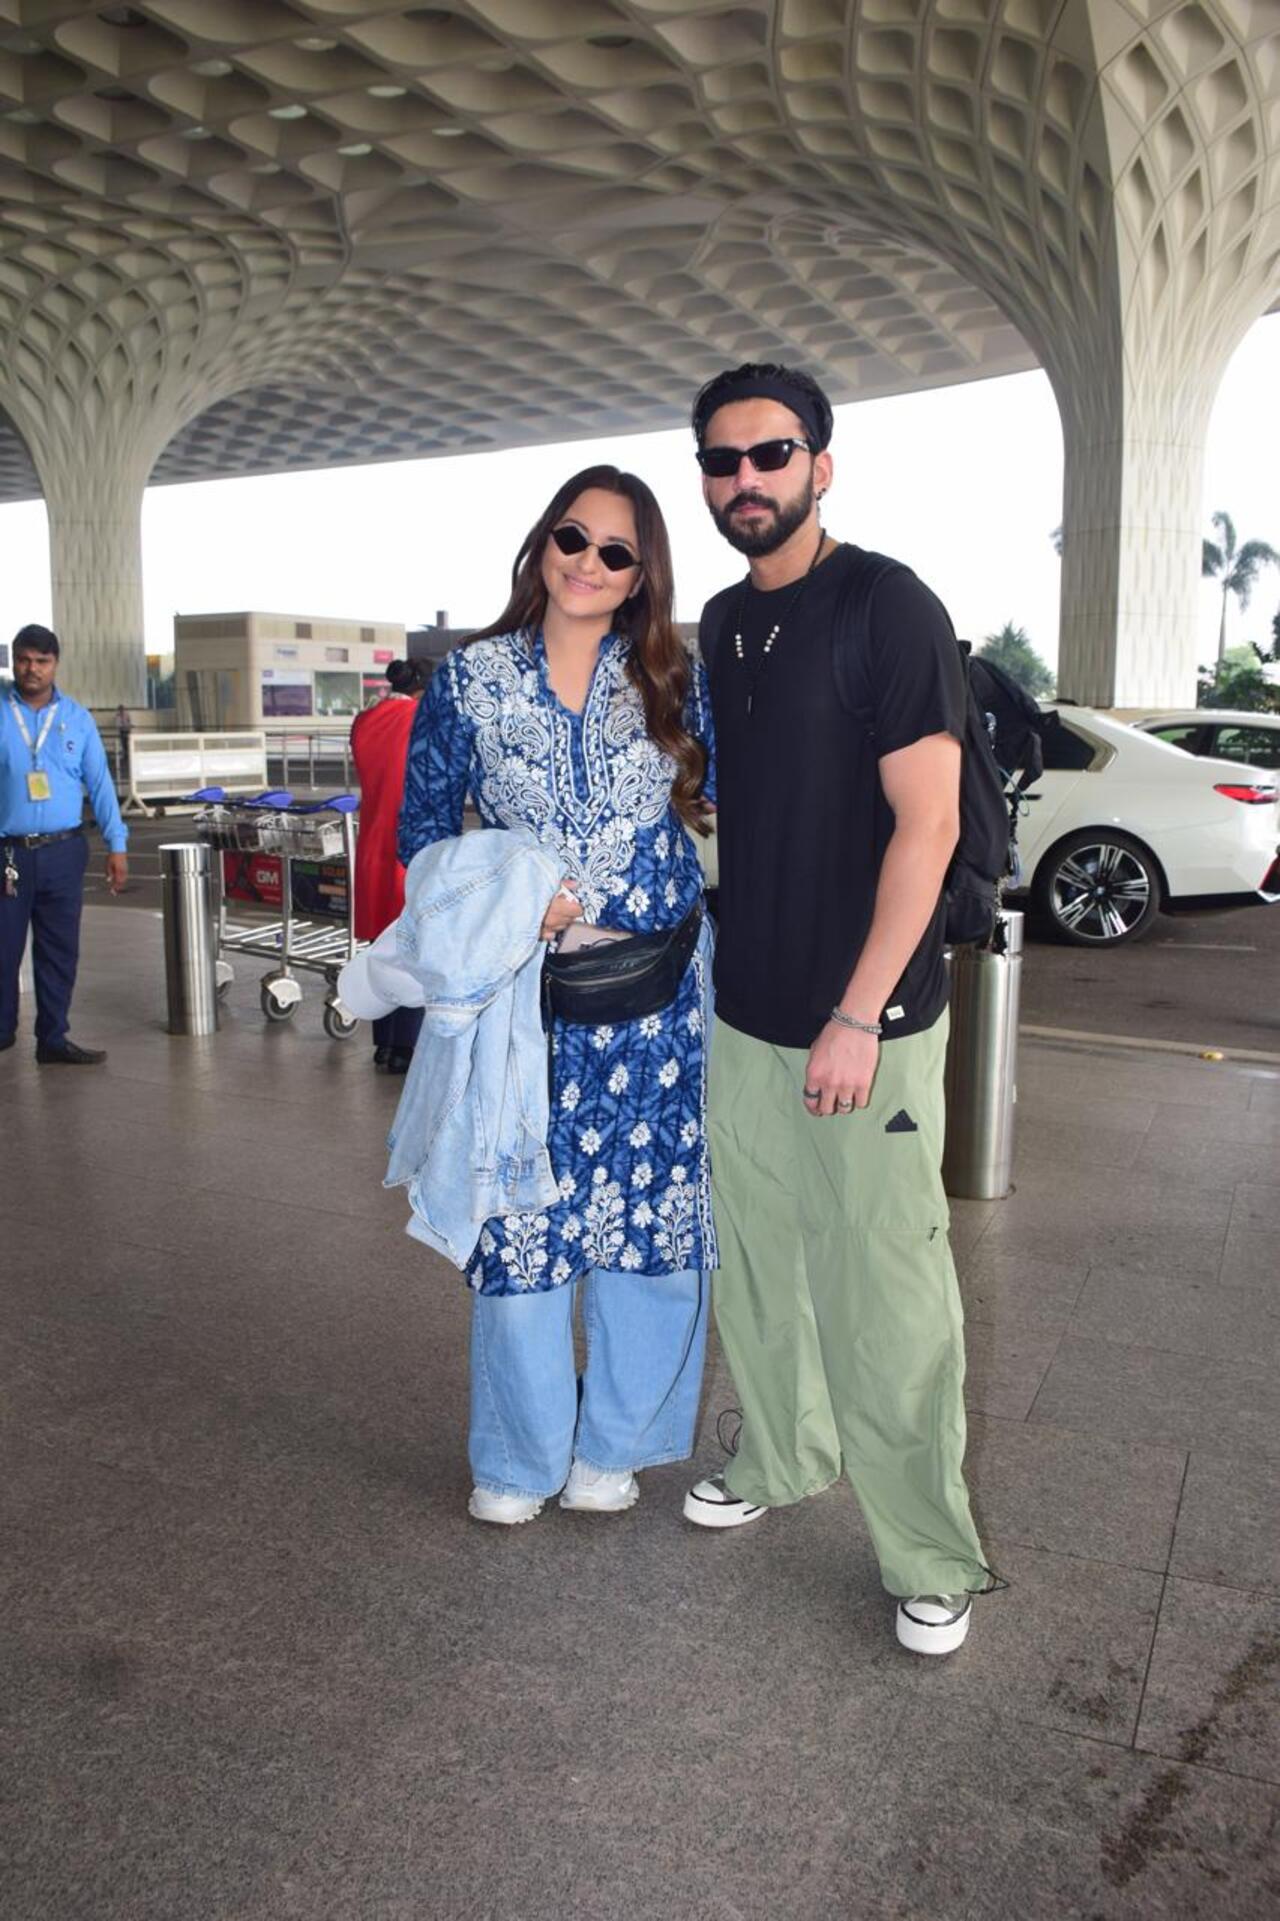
(51, 754)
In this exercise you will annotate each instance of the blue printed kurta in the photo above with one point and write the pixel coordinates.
(627, 1132)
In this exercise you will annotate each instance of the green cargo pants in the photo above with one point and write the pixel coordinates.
(837, 1304)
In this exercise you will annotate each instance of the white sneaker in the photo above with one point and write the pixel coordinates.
(710, 1504)
(508, 1510)
(934, 1623)
(592, 1491)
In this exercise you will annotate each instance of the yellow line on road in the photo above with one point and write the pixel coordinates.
(1136, 1042)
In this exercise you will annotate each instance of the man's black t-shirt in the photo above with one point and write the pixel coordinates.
(803, 822)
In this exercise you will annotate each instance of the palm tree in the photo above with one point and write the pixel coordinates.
(1236, 568)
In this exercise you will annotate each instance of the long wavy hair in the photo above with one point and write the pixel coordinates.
(658, 662)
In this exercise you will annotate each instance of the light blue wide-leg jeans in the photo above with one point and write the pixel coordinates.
(638, 1400)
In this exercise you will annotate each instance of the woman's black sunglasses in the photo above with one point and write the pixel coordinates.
(767, 457)
(613, 555)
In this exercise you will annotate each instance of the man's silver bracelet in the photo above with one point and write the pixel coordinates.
(862, 1027)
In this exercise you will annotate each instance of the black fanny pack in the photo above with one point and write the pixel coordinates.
(620, 980)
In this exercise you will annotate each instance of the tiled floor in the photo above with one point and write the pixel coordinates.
(257, 1664)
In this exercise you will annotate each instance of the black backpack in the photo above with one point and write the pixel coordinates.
(1003, 753)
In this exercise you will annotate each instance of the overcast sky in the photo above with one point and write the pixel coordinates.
(965, 483)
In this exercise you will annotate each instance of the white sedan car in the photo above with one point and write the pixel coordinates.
(1219, 733)
(1122, 826)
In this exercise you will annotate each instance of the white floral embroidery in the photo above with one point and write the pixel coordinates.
(662, 845)
(629, 1257)
(568, 1187)
(561, 1269)
(601, 1036)
(642, 1215)
(651, 1026)
(619, 1080)
(688, 1135)
(571, 1228)
(676, 1209)
(637, 901)
(570, 1095)
(641, 1174)
(605, 1216)
(589, 1141)
(669, 1073)
(640, 1135)
(670, 894)
(525, 750)
(487, 1242)
(524, 1254)
(693, 1020)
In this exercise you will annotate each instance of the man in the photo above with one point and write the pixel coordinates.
(836, 1298)
(51, 754)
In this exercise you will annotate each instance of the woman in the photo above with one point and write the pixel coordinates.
(380, 747)
(580, 715)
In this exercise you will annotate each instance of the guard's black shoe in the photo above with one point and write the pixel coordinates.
(381, 1055)
(7, 1040)
(69, 1055)
(399, 1061)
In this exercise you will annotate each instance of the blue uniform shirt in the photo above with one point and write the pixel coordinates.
(75, 761)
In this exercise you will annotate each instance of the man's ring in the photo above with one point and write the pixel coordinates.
(844, 1107)
(813, 1093)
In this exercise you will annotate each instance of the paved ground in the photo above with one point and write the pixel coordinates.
(257, 1665)
(1213, 979)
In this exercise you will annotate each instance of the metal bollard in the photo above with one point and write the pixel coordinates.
(982, 1062)
(190, 938)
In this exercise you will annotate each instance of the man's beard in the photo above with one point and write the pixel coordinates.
(764, 537)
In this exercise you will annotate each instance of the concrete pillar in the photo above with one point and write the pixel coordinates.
(1132, 512)
(94, 503)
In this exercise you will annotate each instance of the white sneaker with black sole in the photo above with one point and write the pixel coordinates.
(590, 1490)
(709, 1503)
(934, 1623)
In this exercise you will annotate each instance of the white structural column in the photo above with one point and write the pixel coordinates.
(1134, 465)
(1196, 210)
(94, 501)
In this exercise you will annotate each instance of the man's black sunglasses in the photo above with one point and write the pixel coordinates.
(613, 555)
(767, 457)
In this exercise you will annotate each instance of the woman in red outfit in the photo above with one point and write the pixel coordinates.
(380, 747)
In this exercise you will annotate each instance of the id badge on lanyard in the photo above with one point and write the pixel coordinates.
(38, 787)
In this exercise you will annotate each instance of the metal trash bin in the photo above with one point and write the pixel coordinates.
(982, 1064)
(190, 938)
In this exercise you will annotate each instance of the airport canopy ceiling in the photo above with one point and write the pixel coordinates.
(271, 234)
(342, 232)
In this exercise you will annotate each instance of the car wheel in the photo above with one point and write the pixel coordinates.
(1099, 889)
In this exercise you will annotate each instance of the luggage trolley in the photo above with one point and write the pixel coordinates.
(298, 856)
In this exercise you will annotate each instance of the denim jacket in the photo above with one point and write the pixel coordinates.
(469, 1139)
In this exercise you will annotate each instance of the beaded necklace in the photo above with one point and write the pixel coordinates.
(776, 628)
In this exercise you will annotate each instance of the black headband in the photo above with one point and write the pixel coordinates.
(802, 404)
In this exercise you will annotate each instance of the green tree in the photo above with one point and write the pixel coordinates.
(1239, 682)
(1235, 567)
(1011, 649)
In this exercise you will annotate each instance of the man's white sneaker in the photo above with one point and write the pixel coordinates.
(710, 1504)
(590, 1490)
(934, 1623)
(508, 1510)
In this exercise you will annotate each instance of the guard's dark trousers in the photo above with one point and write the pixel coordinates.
(48, 898)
